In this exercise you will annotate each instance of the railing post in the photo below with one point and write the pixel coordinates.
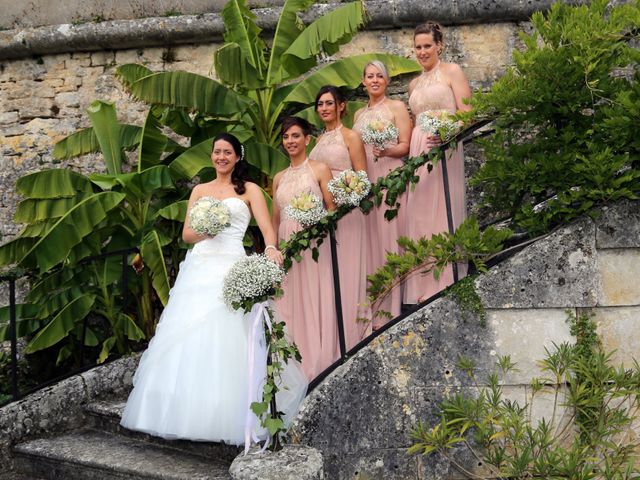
(13, 328)
(125, 290)
(447, 203)
(337, 293)
(272, 404)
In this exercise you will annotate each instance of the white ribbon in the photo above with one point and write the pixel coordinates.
(257, 362)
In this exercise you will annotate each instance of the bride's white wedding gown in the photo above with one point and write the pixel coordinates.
(193, 380)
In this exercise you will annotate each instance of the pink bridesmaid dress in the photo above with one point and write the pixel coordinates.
(332, 150)
(382, 234)
(426, 204)
(307, 306)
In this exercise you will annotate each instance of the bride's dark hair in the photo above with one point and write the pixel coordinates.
(239, 174)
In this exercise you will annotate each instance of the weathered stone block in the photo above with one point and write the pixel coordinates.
(617, 269)
(7, 118)
(616, 329)
(559, 272)
(618, 226)
(103, 58)
(524, 335)
(293, 462)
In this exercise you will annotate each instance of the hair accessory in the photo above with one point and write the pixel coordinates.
(241, 152)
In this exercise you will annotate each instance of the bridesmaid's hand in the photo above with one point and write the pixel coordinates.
(275, 255)
(379, 152)
(433, 141)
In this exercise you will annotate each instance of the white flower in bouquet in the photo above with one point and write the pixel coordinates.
(350, 187)
(379, 133)
(251, 280)
(209, 216)
(306, 208)
(438, 122)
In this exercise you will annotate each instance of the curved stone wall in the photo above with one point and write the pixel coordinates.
(360, 417)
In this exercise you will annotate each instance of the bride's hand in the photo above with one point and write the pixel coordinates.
(274, 254)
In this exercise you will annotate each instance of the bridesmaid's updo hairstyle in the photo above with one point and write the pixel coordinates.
(337, 95)
(380, 66)
(239, 174)
(432, 28)
(294, 121)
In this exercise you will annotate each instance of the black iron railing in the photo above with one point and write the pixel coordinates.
(11, 279)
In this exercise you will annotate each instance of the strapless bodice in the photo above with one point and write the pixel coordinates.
(229, 240)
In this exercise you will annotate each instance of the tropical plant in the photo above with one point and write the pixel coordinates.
(585, 435)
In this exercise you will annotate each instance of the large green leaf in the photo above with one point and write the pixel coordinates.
(191, 162)
(107, 130)
(153, 143)
(287, 31)
(233, 69)
(80, 221)
(191, 91)
(347, 72)
(85, 141)
(62, 323)
(33, 210)
(324, 35)
(268, 159)
(153, 258)
(137, 185)
(129, 73)
(54, 183)
(15, 250)
(176, 211)
(26, 321)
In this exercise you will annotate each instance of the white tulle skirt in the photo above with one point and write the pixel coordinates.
(193, 382)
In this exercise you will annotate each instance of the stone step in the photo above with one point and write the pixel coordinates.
(97, 455)
(105, 415)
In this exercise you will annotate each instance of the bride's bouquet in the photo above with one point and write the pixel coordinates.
(438, 122)
(306, 208)
(209, 216)
(379, 133)
(251, 280)
(349, 187)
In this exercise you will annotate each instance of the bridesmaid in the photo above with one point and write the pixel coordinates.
(340, 149)
(382, 234)
(441, 86)
(307, 306)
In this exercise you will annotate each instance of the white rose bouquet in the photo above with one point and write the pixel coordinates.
(379, 133)
(438, 122)
(209, 216)
(350, 187)
(251, 280)
(306, 208)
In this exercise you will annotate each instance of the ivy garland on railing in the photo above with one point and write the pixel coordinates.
(467, 244)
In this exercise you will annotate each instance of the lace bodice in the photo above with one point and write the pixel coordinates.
(332, 150)
(431, 92)
(296, 180)
(379, 112)
(228, 240)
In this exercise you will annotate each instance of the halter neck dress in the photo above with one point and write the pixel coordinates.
(382, 234)
(427, 214)
(308, 305)
(352, 247)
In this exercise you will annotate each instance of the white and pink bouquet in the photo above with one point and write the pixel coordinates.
(306, 208)
(379, 133)
(349, 187)
(209, 216)
(438, 122)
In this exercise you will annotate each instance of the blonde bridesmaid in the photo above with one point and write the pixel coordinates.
(340, 148)
(440, 87)
(383, 234)
(308, 306)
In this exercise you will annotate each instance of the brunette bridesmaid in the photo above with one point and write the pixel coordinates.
(341, 149)
(308, 306)
(383, 234)
(440, 87)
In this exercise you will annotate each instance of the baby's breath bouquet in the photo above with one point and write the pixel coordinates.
(209, 216)
(350, 187)
(379, 133)
(438, 122)
(306, 208)
(251, 280)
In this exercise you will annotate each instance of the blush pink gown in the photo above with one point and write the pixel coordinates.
(332, 150)
(427, 212)
(382, 234)
(307, 306)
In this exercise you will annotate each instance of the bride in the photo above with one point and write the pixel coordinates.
(193, 380)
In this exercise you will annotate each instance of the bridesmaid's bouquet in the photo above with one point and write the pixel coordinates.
(251, 280)
(209, 216)
(379, 133)
(306, 208)
(438, 122)
(350, 187)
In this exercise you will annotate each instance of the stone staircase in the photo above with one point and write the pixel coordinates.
(103, 450)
